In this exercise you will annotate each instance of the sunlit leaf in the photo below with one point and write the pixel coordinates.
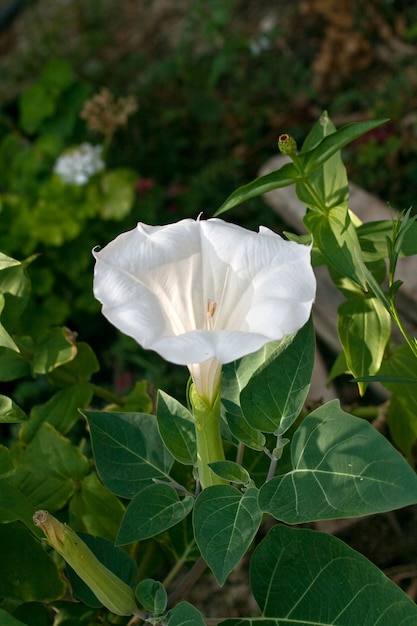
(335, 235)
(364, 327)
(342, 467)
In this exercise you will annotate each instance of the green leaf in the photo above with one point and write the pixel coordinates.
(301, 577)
(177, 429)
(31, 613)
(118, 188)
(184, 614)
(28, 573)
(12, 365)
(274, 396)
(285, 176)
(332, 143)
(230, 471)
(225, 523)
(128, 451)
(6, 462)
(327, 186)
(342, 467)
(14, 505)
(373, 237)
(154, 509)
(77, 370)
(152, 596)
(49, 469)
(36, 105)
(335, 236)
(402, 418)
(7, 261)
(56, 347)
(364, 327)
(61, 411)
(10, 412)
(8, 620)
(6, 340)
(307, 162)
(87, 505)
(138, 399)
(235, 377)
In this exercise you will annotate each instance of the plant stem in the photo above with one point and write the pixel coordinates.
(193, 575)
(208, 438)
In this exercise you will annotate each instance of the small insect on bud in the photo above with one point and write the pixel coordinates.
(287, 144)
(112, 592)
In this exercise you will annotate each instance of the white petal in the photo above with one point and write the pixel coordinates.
(199, 290)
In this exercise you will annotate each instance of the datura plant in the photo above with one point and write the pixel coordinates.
(239, 473)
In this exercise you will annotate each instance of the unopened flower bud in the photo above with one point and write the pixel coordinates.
(112, 592)
(287, 144)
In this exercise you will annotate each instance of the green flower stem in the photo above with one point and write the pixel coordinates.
(208, 438)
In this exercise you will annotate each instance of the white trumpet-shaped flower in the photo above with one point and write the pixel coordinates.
(203, 293)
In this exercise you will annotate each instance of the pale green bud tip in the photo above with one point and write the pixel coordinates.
(287, 144)
(112, 592)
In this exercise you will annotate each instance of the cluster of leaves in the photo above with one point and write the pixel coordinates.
(59, 221)
(135, 491)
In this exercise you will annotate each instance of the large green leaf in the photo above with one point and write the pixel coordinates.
(27, 572)
(342, 467)
(304, 578)
(225, 523)
(364, 327)
(128, 451)
(177, 429)
(274, 396)
(154, 509)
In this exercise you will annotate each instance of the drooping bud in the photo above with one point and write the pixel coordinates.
(287, 144)
(112, 592)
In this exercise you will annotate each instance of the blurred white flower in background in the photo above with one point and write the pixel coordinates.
(78, 165)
